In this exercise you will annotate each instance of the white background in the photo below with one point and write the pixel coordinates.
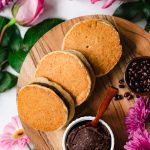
(65, 9)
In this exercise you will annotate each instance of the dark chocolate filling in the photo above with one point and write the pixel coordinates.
(57, 92)
(83, 137)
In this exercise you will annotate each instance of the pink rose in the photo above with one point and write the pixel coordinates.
(26, 12)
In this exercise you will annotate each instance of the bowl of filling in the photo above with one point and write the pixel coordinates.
(79, 136)
(137, 75)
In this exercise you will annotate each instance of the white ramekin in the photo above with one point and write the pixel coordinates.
(86, 118)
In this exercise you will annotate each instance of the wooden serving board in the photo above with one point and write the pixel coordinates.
(135, 41)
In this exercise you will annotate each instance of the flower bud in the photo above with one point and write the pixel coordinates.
(26, 12)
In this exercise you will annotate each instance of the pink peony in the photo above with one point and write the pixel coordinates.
(13, 134)
(139, 138)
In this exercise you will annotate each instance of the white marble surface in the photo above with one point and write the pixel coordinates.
(53, 8)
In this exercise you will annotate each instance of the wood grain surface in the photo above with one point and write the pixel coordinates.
(135, 41)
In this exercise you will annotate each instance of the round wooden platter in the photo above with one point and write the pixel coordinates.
(135, 41)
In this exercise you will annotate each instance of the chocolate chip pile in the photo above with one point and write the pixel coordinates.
(138, 75)
(127, 94)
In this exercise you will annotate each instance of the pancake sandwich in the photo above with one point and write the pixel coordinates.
(98, 41)
(44, 105)
(71, 70)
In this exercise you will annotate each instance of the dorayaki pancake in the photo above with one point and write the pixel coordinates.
(68, 70)
(98, 41)
(43, 107)
(45, 82)
(88, 66)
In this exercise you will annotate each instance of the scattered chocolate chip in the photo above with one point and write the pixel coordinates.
(126, 94)
(121, 86)
(121, 81)
(118, 97)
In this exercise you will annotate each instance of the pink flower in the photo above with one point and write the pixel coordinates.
(106, 4)
(4, 3)
(139, 138)
(140, 141)
(26, 12)
(13, 134)
(137, 115)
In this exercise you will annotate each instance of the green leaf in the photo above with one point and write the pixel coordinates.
(16, 59)
(17, 56)
(37, 31)
(132, 11)
(7, 81)
(14, 49)
(3, 21)
(17, 42)
(147, 1)
(3, 56)
(146, 10)
(18, 48)
(147, 27)
(12, 36)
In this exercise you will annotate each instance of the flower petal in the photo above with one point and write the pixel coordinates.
(5, 136)
(137, 116)
(7, 144)
(1, 6)
(108, 3)
(23, 142)
(39, 11)
(16, 122)
(94, 1)
(139, 138)
(140, 141)
(4, 3)
(7, 141)
(9, 128)
(26, 12)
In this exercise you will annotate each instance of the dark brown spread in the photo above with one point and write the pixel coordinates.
(88, 138)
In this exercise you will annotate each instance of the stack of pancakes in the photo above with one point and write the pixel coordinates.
(65, 79)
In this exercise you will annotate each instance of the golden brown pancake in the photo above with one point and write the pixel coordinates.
(88, 66)
(67, 98)
(98, 41)
(67, 70)
(44, 107)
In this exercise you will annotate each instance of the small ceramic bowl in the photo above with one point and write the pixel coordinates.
(86, 118)
(126, 76)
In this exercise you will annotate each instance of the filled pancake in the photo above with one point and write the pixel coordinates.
(98, 41)
(87, 65)
(68, 100)
(44, 107)
(67, 69)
